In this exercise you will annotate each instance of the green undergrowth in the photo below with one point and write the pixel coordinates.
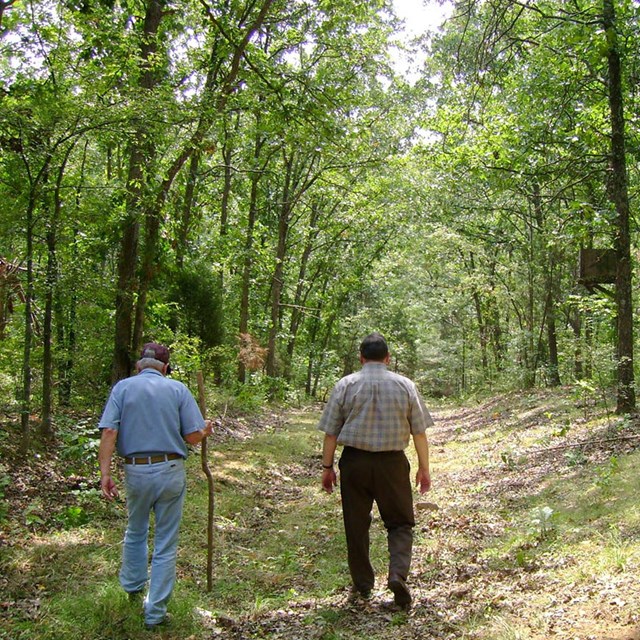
(277, 539)
(527, 528)
(560, 485)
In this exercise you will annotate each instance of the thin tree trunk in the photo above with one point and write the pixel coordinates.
(482, 327)
(552, 341)
(66, 326)
(321, 355)
(46, 426)
(553, 365)
(187, 209)
(494, 325)
(618, 194)
(299, 297)
(25, 404)
(313, 334)
(243, 326)
(227, 157)
(575, 322)
(278, 274)
(124, 303)
(46, 430)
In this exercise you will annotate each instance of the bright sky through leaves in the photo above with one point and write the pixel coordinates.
(421, 15)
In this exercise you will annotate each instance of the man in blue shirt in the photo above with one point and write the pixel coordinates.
(147, 420)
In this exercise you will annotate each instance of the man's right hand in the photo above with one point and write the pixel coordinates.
(109, 489)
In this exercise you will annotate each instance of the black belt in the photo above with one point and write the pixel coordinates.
(153, 459)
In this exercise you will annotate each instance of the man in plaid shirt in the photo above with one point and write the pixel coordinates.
(373, 414)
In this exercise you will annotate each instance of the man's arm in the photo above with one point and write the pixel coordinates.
(108, 439)
(329, 479)
(423, 475)
(196, 437)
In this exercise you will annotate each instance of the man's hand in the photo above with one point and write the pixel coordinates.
(108, 439)
(423, 478)
(329, 480)
(109, 489)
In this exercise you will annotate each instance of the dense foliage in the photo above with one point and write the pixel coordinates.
(256, 184)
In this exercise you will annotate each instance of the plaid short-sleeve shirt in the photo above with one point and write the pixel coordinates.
(375, 410)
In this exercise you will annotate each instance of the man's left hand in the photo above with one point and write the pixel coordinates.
(329, 480)
(423, 478)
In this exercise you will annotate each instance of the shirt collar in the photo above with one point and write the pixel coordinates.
(150, 370)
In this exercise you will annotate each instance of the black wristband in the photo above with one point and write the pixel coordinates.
(325, 466)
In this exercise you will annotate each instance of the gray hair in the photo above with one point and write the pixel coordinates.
(150, 363)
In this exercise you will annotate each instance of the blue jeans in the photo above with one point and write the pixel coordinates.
(160, 488)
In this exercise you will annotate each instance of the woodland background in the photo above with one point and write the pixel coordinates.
(258, 183)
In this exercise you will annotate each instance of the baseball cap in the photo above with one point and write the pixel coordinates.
(155, 351)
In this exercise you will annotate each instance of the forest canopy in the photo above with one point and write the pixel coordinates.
(259, 183)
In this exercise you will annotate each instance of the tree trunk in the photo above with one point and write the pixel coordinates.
(187, 209)
(300, 297)
(25, 404)
(552, 341)
(321, 351)
(494, 326)
(482, 327)
(127, 259)
(66, 323)
(313, 352)
(553, 366)
(618, 194)
(278, 273)
(46, 430)
(227, 157)
(256, 175)
(141, 154)
(51, 282)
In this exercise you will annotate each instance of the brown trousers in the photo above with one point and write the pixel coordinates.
(366, 476)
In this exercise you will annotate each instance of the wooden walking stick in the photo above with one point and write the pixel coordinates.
(207, 472)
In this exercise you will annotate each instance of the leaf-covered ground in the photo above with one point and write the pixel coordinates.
(532, 531)
(536, 535)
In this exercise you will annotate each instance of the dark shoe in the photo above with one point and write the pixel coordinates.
(364, 594)
(401, 593)
(158, 625)
(135, 596)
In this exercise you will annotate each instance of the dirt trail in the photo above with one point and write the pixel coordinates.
(469, 579)
(490, 562)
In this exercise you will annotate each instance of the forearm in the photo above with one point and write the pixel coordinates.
(328, 472)
(196, 437)
(108, 439)
(421, 445)
(328, 450)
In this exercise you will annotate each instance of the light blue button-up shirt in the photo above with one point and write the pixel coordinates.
(152, 414)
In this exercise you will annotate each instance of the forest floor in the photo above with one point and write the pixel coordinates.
(531, 531)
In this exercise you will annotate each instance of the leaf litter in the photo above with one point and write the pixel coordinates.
(489, 562)
(467, 579)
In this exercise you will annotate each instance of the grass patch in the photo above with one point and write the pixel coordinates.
(524, 545)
